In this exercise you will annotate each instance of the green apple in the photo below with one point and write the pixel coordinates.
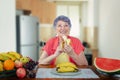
(24, 60)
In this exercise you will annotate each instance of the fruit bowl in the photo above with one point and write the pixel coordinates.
(8, 73)
(15, 64)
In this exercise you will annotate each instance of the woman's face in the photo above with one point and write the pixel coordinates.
(62, 28)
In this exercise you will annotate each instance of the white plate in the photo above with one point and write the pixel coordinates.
(53, 71)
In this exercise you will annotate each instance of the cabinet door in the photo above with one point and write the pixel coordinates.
(24, 4)
(45, 11)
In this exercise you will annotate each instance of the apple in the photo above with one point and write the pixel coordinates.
(21, 72)
(24, 60)
(18, 64)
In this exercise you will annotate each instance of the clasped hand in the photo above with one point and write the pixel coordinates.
(66, 49)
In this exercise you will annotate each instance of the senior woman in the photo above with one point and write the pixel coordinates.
(54, 54)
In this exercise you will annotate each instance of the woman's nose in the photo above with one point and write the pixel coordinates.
(62, 26)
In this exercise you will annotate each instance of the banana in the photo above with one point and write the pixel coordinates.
(3, 58)
(1, 66)
(65, 64)
(17, 55)
(65, 41)
(66, 67)
(9, 56)
(68, 41)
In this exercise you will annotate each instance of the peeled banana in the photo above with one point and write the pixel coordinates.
(66, 67)
(65, 41)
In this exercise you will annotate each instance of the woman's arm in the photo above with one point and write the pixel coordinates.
(79, 59)
(45, 59)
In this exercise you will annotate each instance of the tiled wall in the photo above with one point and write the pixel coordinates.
(91, 36)
(46, 32)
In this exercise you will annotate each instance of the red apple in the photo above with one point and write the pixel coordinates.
(21, 72)
(18, 64)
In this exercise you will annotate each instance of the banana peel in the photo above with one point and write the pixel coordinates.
(65, 41)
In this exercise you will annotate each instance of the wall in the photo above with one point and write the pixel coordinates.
(72, 11)
(83, 19)
(109, 28)
(7, 25)
(46, 32)
(90, 23)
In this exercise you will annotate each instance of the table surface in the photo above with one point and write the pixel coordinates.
(101, 76)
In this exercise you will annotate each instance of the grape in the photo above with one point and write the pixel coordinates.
(30, 65)
(31, 74)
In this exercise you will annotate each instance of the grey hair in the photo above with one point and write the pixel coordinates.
(62, 18)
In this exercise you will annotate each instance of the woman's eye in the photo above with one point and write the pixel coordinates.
(62, 25)
(65, 25)
(59, 26)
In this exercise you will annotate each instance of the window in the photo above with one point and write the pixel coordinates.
(72, 11)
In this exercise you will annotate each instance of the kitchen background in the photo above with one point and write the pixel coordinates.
(96, 22)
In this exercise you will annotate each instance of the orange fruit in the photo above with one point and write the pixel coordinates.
(8, 64)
